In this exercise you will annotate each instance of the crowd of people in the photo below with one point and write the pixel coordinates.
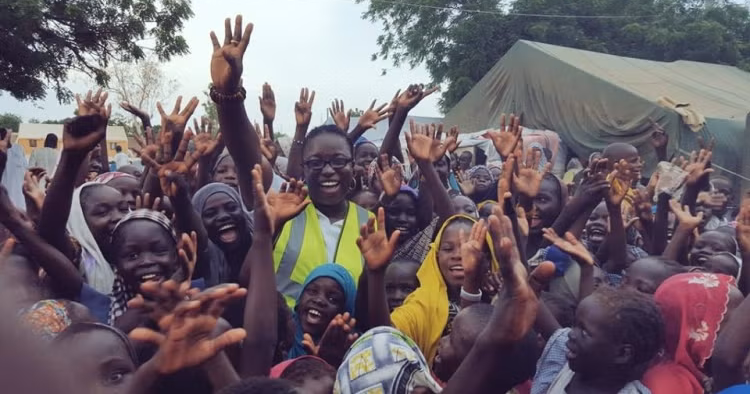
(357, 268)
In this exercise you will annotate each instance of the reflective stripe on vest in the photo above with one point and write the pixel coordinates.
(301, 247)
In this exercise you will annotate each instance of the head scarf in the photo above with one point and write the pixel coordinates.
(110, 176)
(362, 141)
(87, 326)
(693, 306)
(495, 164)
(96, 269)
(543, 158)
(203, 194)
(384, 360)
(344, 279)
(490, 193)
(279, 368)
(409, 191)
(219, 159)
(121, 292)
(46, 319)
(474, 170)
(425, 312)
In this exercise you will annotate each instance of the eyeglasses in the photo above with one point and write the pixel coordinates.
(336, 163)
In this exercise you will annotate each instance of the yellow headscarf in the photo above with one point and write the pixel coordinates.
(424, 314)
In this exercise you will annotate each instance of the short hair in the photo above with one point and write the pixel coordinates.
(562, 307)
(50, 141)
(307, 368)
(669, 267)
(260, 386)
(118, 148)
(635, 319)
(327, 129)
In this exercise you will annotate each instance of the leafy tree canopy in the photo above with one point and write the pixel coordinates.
(459, 45)
(10, 121)
(42, 40)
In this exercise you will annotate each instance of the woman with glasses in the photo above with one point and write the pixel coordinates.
(327, 230)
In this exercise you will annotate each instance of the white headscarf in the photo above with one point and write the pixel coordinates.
(94, 266)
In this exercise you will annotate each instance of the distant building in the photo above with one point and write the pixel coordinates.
(32, 135)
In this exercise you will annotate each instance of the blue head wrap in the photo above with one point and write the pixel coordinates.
(344, 279)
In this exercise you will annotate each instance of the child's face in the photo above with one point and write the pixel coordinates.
(454, 347)
(319, 303)
(590, 348)
(129, 187)
(449, 253)
(643, 275)
(367, 200)
(597, 227)
(102, 360)
(226, 172)
(365, 154)
(482, 180)
(709, 244)
(400, 281)
(401, 214)
(144, 252)
(223, 218)
(722, 264)
(546, 205)
(464, 206)
(103, 207)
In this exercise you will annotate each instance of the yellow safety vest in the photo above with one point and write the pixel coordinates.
(300, 248)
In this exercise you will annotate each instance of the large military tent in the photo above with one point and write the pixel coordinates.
(593, 99)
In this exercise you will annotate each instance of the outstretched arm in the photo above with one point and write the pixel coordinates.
(228, 94)
(377, 250)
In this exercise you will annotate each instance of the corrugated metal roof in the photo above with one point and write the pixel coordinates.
(37, 131)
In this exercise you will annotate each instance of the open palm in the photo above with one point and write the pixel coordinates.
(226, 61)
(374, 244)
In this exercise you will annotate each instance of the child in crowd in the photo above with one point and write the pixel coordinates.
(205, 273)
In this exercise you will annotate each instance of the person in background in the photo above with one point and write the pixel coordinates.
(47, 156)
(12, 167)
(121, 159)
(464, 160)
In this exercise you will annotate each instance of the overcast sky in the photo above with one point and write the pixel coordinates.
(321, 44)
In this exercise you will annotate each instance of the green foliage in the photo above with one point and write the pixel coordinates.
(209, 107)
(42, 40)
(458, 46)
(10, 121)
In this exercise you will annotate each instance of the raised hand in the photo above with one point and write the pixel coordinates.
(82, 133)
(659, 137)
(412, 96)
(172, 174)
(743, 226)
(32, 189)
(173, 125)
(135, 111)
(504, 183)
(206, 145)
(267, 104)
(96, 104)
(528, 181)
(643, 209)
(375, 246)
(267, 147)
(340, 116)
(569, 245)
(518, 302)
(472, 246)
(373, 116)
(619, 184)
(391, 175)
(698, 167)
(303, 107)
(187, 340)
(424, 144)
(160, 298)
(226, 61)
(279, 207)
(452, 140)
(507, 137)
(706, 145)
(684, 217)
(464, 183)
(335, 342)
(187, 255)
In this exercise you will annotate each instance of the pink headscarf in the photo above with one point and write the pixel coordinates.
(109, 176)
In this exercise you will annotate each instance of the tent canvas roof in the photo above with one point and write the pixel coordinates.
(593, 99)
